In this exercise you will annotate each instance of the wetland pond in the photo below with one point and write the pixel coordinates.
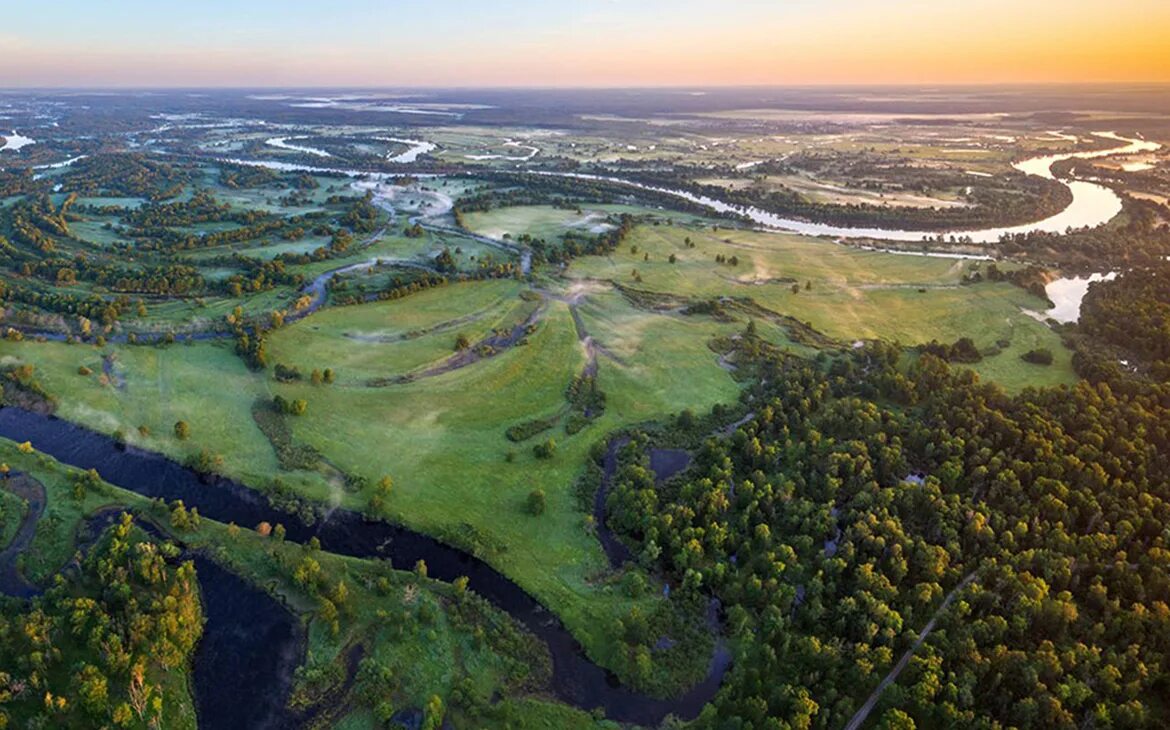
(1067, 294)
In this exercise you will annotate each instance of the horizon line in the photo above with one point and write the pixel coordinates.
(590, 87)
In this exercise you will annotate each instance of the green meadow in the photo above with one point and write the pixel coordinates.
(846, 293)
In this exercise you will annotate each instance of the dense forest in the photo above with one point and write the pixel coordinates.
(109, 645)
(864, 489)
(1139, 237)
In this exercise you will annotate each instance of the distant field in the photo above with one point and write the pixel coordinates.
(850, 295)
(551, 223)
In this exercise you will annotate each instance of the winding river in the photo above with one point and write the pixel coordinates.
(1092, 204)
(284, 144)
(575, 679)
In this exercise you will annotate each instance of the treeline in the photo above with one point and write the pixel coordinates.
(362, 215)
(340, 293)
(19, 182)
(574, 244)
(201, 208)
(239, 177)
(834, 522)
(565, 191)
(129, 174)
(33, 223)
(90, 306)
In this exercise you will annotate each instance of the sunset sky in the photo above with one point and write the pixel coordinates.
(580, 43)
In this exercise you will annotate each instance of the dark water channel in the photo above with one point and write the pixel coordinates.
(227, 677)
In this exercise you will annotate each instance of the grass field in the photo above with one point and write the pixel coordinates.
(204, 384)
(408, 625)
(442, 438)
(657, 364)
(54, 543)
(394, 337)
(550, 223)
(846, 293)
(12, 511)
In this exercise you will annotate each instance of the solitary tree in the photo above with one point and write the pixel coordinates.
(536, 501)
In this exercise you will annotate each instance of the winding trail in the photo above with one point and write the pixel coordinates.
(861, 715)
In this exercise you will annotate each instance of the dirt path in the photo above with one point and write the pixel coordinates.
(863, 713)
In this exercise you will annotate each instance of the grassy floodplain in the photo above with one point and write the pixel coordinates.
(411, 431)
(550, 223)
(846, 293)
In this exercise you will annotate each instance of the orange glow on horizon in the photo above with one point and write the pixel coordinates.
(850, 42)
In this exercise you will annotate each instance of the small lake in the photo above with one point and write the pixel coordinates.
(15, 142)
(1067, 294)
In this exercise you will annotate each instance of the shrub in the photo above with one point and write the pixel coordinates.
(1039, 356)
(545, 450)
(528, 429)
(287, 374)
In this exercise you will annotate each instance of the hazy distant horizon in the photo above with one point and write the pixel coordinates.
(390, 89)
(596, 44)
